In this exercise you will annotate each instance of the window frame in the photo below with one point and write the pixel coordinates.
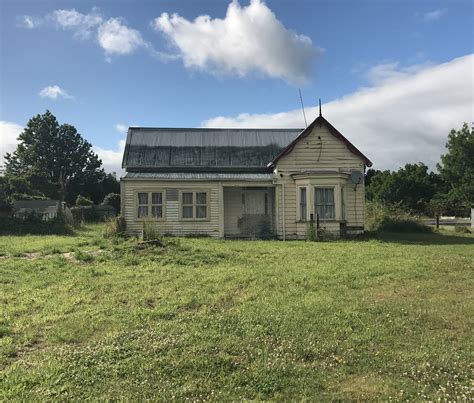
(299, 206)
(334, 204)
(194, 205)
(150, 205)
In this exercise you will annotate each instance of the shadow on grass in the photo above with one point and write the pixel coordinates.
(425, 239)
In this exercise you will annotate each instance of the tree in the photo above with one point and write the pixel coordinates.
(411, 187)
(438, 205)
(457, 167)
(82, 201)
(113, 199)
(93, 189)
(50, 156)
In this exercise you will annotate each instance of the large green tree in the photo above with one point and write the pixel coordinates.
(412, 187)
(50, 156)
(457, 167)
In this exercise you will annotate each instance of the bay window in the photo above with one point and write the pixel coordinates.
(324, 203)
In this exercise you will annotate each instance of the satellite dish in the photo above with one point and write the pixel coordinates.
(356, 177)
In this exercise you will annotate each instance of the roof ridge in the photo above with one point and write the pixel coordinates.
(214, 128)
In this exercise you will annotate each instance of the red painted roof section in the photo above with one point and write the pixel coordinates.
(336, 133)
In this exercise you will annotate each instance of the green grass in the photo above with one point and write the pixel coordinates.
(206, 319)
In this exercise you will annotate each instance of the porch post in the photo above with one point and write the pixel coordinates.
(221, 210)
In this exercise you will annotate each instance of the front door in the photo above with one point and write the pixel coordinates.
(255, 202)
(256, 220)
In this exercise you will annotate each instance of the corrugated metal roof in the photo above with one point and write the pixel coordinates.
(170, 147)
(200, 176)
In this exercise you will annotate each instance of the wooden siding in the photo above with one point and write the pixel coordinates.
(319, 151)
(320, 159)
(171, 224)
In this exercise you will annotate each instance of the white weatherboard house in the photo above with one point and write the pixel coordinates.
(243, 182)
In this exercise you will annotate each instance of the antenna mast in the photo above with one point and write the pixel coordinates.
(302, 107)
(320, 113)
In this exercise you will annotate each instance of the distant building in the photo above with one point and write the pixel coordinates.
(47, 209)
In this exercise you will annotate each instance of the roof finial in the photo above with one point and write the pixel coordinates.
(320, 114)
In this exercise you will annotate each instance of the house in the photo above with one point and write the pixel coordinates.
(243, 182)
(47, 209)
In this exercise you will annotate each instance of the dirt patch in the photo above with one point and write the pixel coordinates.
(37, 255)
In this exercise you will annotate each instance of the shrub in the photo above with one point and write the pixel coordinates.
(150, 232)
(381, 217)
(32, 223)
(112, 199)
(85, 214)
(81, 201)
(92, 213)
(462, 229)
(114, 227)
(311, 235)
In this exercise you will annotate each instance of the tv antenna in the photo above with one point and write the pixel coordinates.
(302, 107)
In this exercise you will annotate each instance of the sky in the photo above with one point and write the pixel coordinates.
(393, 76)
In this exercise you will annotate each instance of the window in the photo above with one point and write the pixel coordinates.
(303, 214)
(157, 205)
(150, 204)
(194, 205)
(324, 203)
(142, 205)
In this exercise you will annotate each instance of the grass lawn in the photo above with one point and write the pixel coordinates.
(205, 319)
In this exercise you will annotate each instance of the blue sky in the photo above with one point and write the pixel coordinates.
(99, 64)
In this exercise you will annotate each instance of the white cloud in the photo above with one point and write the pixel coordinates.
(249, 39)
(54, 92)
(404, 119)
(83, 25)
(385, 72)
(432, 15)
(112, 35)
(112, 159)
(28, 22)
(121, 128)
(9, 133)
(116, 38)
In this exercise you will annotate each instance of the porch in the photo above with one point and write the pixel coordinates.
(249, 212)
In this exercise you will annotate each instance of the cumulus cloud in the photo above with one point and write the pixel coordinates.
(432, 15)
(54, 92)
(112, 159)
(249, 39)
(116, 38)
(9, 132)
(404, 119)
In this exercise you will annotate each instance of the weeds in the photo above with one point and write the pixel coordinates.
(392, 219)
(114, 227)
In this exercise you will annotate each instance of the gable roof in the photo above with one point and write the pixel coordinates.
(216, 150)
(336, 133)
(204, 150)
